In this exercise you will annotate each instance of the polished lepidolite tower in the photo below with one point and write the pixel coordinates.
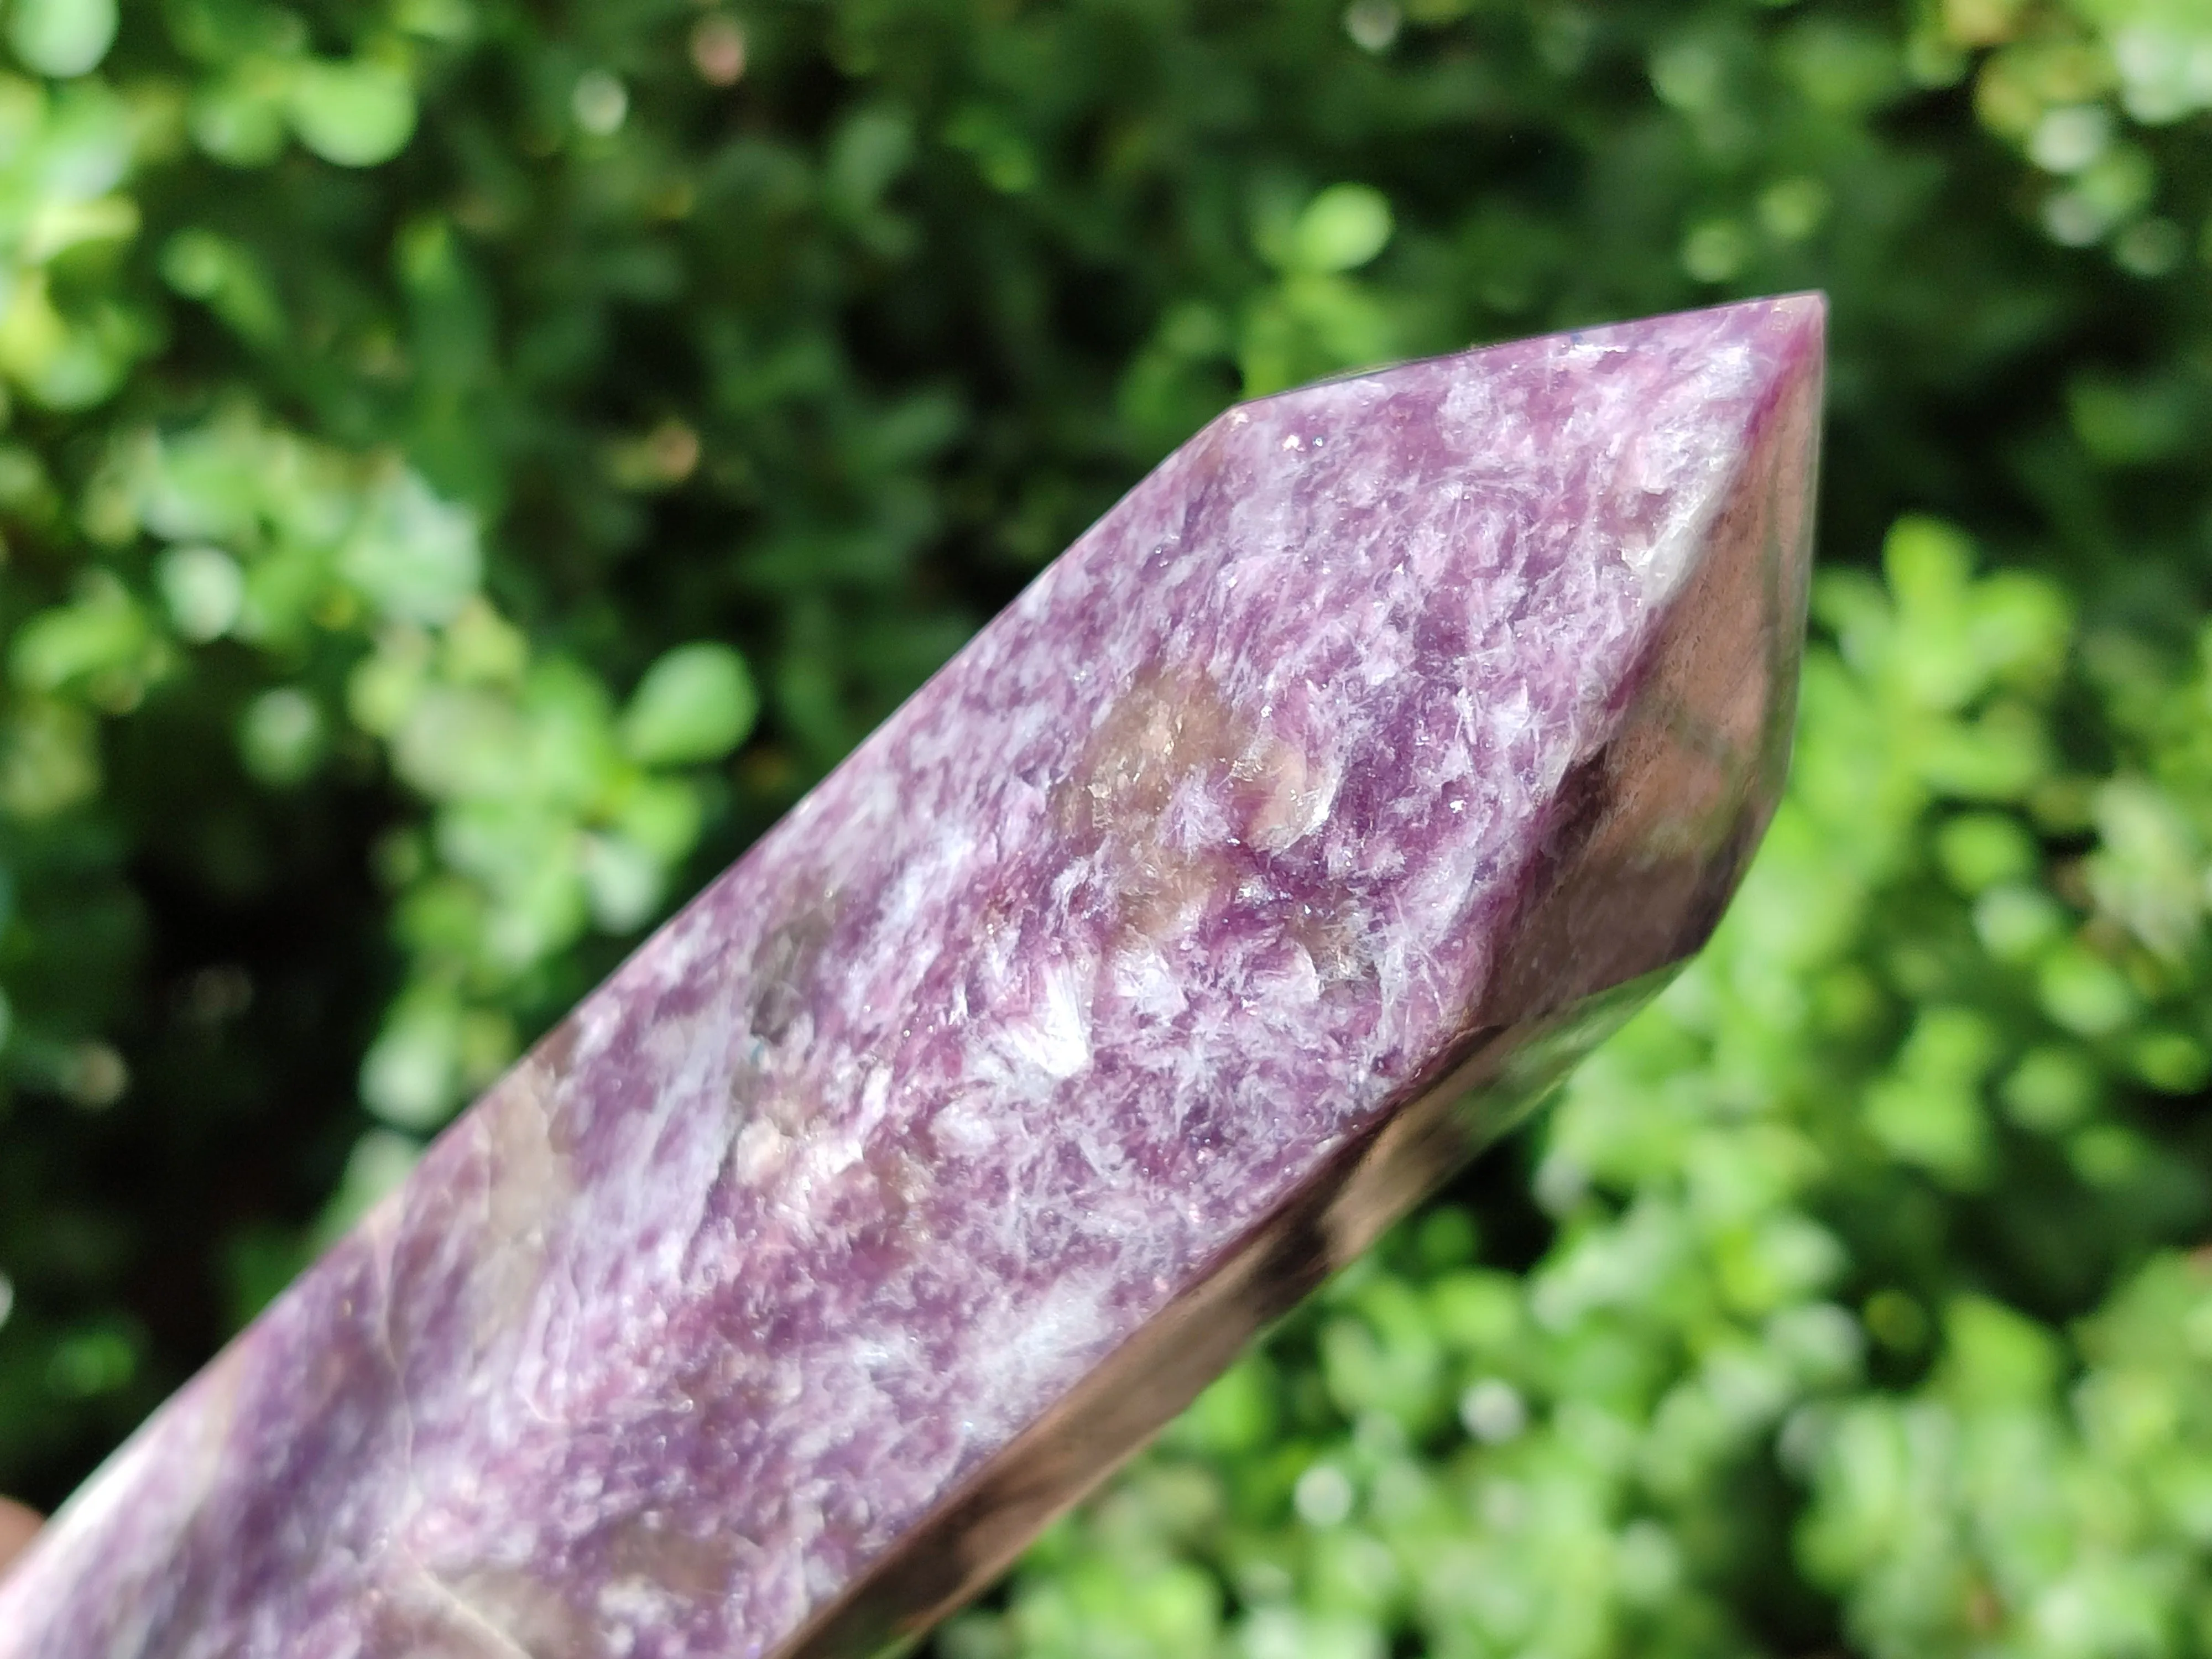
(1294, 828)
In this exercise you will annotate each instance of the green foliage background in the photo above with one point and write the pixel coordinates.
(469, 464)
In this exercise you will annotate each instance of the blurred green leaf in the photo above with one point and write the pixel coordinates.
(61, 38)
(695, 703)
(356, 113)
(1341, 230)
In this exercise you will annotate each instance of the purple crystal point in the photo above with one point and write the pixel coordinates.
(1296, 827)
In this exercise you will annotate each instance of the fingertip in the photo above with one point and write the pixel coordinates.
(18, 1525)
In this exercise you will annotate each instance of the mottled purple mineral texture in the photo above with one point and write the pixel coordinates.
(1288, 833)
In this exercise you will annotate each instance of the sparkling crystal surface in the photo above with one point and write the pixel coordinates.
(1387, 719)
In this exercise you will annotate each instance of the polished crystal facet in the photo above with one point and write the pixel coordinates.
(1295, 826)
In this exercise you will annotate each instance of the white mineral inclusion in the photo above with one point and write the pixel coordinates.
(1054, 1039)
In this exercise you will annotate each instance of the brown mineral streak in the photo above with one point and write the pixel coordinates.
(528, 1186)
(1167, 733)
